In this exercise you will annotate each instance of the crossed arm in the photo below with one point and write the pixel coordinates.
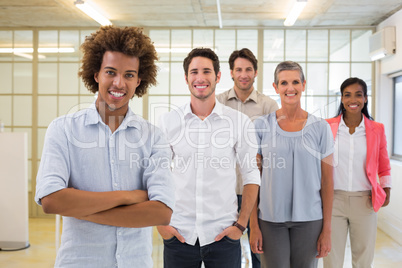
(116, 208)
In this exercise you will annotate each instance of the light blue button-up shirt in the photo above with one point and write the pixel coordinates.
(80, 151)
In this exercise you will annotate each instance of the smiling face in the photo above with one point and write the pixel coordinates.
(290, 86)
(118, 80)
(353, 99)
(201, 78)
(243, 74)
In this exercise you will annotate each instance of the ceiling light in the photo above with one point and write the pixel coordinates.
(56, 50)
(40, 50)
(295, 12)
(172, 50)
(90, 11)
(218, 5)
(29, 56)
(16, 50)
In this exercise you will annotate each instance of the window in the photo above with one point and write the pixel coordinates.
(38, 86)
(397, 141)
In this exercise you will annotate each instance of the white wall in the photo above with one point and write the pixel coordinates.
(390, 217)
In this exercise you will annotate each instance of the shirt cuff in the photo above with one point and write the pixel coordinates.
(386, 181)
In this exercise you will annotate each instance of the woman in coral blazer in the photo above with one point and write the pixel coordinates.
(360, 154)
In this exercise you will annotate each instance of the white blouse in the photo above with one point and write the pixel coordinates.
(350, 159)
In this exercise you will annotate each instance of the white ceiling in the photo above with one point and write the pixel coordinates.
(196, 13)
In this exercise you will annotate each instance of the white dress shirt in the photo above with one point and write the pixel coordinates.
(350, 159)
(256, 105)
(205, 153)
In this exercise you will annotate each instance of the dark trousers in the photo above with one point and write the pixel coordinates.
(225, 253)
(255, 258)
(290, 244)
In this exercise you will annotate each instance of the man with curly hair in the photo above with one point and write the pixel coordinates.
(105, 169)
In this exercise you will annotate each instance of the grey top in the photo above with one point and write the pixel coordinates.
(291, 177)
(256, 105)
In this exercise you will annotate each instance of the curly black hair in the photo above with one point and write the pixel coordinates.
(130, 41)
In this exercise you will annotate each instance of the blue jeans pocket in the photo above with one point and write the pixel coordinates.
(230, 240)
(170, 240)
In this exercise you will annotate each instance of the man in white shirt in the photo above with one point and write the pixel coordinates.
(207, 140)
(242, 97)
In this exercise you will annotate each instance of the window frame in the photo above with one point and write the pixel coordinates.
(395, 156)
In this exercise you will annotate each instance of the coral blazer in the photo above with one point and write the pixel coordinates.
(377, 160)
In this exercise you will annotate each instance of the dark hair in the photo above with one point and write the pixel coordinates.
(288, 66)
(130, 41)
(352, 81)
(201, 52)
(244, 53)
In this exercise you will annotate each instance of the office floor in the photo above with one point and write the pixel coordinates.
(42, 253)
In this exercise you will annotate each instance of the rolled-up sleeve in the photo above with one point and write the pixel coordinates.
(246, 150)
(54, 170)
(158, 176)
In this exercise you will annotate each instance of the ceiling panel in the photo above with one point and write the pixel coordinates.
(196, 13)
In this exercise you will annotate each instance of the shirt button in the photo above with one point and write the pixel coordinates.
(112, 161)
(115, 184)
(118, 256)
(119, 233)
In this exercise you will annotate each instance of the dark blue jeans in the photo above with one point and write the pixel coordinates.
(225, 253)
(255, 258)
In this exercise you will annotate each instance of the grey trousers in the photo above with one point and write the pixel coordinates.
(290, 244)
(353, 212)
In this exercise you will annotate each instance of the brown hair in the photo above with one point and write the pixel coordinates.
(244, 53)
(130, 41)
(201, 52)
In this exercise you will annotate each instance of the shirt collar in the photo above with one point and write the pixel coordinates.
(93, 118)
(218, 109)
(253, 96)
(343, 124)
